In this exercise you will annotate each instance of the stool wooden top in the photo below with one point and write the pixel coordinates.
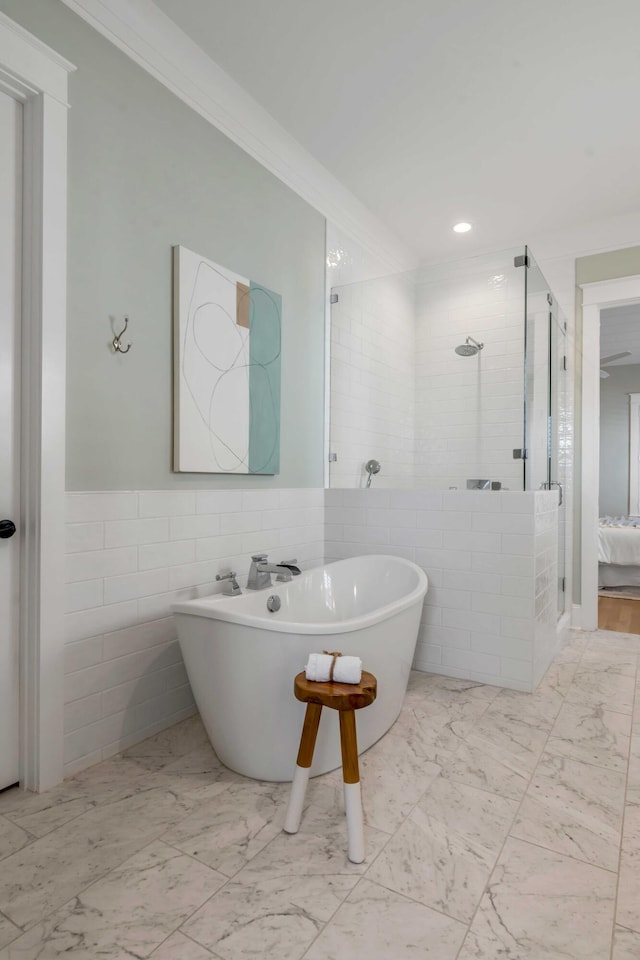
(337, 696)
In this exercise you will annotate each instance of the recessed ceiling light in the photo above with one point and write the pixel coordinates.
(462, 227)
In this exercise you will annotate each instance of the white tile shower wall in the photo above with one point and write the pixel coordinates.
(469, 410)
(490, 611)
(372, 382)
(129, 556)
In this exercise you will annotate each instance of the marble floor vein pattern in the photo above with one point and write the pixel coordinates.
(499, 825)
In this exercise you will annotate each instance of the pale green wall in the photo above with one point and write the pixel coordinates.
(608, 266)
(145, 173)
(592, 269)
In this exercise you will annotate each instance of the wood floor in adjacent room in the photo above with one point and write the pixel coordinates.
(619, 614)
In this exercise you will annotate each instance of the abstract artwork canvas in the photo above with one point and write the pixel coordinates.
(227, 343)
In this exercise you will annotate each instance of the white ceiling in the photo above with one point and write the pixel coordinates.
(518, 116)
(619, 331)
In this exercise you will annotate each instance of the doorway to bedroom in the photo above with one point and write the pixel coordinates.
(619, 470)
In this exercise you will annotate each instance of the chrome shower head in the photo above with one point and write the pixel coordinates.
(469, 348)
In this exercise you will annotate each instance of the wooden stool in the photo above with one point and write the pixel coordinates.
(346, 698)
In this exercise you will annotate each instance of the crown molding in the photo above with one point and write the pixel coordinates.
(150, 38)
(29, 66)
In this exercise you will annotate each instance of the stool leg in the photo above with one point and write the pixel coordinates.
(303, 766)
(351, 777)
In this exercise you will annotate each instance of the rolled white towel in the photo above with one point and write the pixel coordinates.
(345, 670)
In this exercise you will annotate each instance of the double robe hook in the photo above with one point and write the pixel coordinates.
(117, 343)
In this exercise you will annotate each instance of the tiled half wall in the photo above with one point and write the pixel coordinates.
(490, 613)
(129, 556)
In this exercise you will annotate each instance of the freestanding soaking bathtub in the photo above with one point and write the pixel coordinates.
(241, 659)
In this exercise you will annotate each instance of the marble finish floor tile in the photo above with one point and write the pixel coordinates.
(12, 838)
(611, 640)
(610, 691)
(601, 659)
(498, 756)
(443, 853)
(230, 831)
(166, 853)
(179, 947)
(196, 777)
(558, 678)
(464, 699)
(541, 905)
(573, 649)
(171, 744)
(108, 782)
(129, 912)
(274, 914)
(431, 731)
(376, 924)
(626, 944)
(8, 931)
(537, 709)
(45, 874)
(574, 808)
(592, 735)
(628, 914)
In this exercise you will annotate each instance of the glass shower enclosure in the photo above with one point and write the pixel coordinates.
(452, 377)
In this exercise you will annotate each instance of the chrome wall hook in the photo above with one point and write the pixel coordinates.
(117, 343)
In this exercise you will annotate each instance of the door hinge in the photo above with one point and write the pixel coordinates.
(549, 299)
(521, 261)
(519, 453)
(563, 584)
(333, 458)
(333, 298)
(564, 363)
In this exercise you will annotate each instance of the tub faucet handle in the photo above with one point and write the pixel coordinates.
(259, 557)
(232, 587)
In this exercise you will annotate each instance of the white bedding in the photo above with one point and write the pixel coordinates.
(619, 545)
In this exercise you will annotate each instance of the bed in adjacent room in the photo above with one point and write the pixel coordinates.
(619, 552)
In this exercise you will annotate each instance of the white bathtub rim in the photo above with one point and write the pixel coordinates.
(219, 607)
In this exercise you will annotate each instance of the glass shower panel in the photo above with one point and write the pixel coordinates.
(427, 377)
(469, 373)
(546, 403)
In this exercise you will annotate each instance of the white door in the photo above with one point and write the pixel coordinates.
(10, 286)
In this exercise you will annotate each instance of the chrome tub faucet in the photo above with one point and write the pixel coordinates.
(261, 570)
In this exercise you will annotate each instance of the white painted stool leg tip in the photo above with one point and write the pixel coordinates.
(355, 823)
(296, 799)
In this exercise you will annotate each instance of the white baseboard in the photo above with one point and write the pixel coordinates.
(576, 616)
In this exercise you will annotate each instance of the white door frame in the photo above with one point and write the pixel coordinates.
(595, 297)
(634, 453)
(37, 76)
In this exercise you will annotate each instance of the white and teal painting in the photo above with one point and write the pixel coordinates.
(227, 370)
